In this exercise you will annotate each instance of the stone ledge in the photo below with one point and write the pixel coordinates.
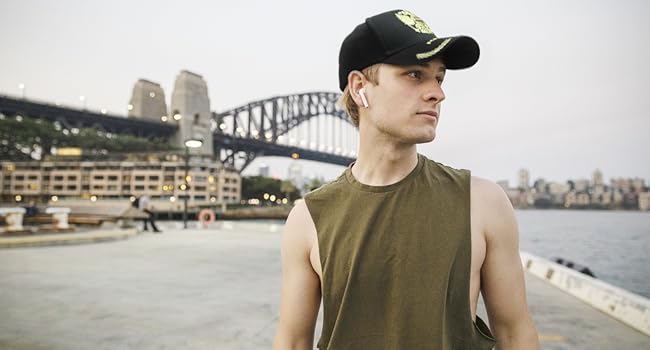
(627, 307)
(67, 238)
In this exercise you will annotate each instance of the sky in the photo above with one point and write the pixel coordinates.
(561, 87)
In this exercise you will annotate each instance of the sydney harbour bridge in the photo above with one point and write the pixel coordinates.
(301, 126)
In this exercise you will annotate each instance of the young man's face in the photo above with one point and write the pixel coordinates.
(406, 101)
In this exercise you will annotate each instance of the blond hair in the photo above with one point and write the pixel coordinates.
(347, 103)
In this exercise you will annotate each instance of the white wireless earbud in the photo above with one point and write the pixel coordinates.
(363, 97)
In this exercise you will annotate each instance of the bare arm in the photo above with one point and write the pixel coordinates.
(502, 275)
(301, 295)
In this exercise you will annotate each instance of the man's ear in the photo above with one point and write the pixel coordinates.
(356, 82)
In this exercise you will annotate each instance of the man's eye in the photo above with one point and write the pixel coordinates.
(415, 75)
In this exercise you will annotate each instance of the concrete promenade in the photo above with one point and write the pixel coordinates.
(203, 289)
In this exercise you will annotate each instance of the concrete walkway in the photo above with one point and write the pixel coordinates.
(202, 289)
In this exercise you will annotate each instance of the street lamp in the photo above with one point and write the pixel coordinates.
(191, 143)
(21, 86)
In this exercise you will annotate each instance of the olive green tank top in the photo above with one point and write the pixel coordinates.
(396, 262)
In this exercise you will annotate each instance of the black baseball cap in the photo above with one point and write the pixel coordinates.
(402, 38)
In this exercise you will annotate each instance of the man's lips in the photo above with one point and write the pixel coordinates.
(429, 114)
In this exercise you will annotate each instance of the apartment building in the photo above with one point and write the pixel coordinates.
(162, 179)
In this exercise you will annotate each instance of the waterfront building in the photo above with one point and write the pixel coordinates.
(638, 184)
(160, 177)
(540, 186)
(617, 197)
(597, 178)
(644, 201)
(558, 188)
(524, 179)
(581, 185)
(620, 183)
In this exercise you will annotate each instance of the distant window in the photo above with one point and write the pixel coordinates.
(139, 178)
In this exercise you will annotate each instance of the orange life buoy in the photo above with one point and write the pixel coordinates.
(206, 217)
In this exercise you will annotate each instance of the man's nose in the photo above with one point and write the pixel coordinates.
(434, 93)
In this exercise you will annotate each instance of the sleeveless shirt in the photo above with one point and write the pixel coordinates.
(396, 262)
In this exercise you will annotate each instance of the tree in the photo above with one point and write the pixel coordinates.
(289, 189)
(24, 139)
(257, 186)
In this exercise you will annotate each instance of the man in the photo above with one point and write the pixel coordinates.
(143, 204)
(399, 246)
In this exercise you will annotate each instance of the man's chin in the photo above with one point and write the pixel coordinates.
(426, 138)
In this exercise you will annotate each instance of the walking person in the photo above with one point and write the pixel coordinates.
(399, 246)
(144, 205)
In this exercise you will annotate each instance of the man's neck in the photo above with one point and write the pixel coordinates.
(384, 164)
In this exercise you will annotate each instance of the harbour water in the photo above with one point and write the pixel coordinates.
(615, 245)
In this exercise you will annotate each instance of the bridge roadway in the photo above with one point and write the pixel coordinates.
(203, 289)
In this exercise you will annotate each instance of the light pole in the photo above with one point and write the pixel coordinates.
(191, 143)
(21, 86)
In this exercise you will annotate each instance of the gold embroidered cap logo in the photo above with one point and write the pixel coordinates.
(414, 22)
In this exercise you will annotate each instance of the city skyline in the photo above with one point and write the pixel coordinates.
(550, 92)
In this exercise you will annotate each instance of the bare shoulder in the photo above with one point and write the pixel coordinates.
(299, 229)
(486, 190)
(491, 204)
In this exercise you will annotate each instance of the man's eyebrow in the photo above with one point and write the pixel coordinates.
(442, 67)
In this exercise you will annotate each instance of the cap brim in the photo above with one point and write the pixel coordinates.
(456, 52)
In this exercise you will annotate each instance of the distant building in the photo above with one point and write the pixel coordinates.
(264, 170)
(161, 179)
(504, 185)
(524, 179)
(638, 184)
(597, 178)
(582, 199)
(540, 185)
(570, 199)
(644, 201)
(295, 174)
(557, 192)
(581, 185)
(617, 197)
(620, 183)
(558, 188)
